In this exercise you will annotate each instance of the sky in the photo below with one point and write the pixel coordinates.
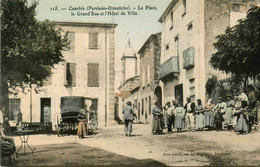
(137, 27)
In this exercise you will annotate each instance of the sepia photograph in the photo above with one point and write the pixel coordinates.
(130, 83)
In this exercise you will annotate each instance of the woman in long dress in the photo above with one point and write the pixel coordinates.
(81, 126)
(229, 113)
(199, 116)
(179, 117)
(209, 114)
(157, 119)
(242, 113)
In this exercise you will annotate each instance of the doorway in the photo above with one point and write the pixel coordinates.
(45, 110)
(179, 93)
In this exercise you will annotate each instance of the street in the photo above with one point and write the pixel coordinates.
(111, 147)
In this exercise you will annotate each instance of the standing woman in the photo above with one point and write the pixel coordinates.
(200, 119)
(179, 117)
(209, 114)
(81, 127)
(157, 119)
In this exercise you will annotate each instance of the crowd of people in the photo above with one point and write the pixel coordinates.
(237, 112)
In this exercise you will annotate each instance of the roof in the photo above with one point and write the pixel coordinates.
(137, 77)
(109, 25)
(168, 10)
(147, 42)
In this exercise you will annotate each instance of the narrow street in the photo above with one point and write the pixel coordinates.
(111, 147)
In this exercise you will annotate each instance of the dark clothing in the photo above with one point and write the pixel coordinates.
(170, 122)
(218, 120)
(128, 126)
(158, 123)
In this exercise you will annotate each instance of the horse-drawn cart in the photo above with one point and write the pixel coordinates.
(70, 108)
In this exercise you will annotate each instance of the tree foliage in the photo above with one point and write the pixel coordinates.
(211, 84)
(30, 48)
(238, 49)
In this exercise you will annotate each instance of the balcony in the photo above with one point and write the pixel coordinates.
(170, 66)
(188, 58)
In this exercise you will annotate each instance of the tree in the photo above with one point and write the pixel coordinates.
(29, 48)
(238, 49)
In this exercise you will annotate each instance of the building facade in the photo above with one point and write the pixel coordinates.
(189, 29)
(150, 54)
(88, 72)
(128, 62)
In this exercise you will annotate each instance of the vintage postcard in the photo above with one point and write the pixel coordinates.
(130, 83)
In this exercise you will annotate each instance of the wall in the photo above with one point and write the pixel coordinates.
(83, 55)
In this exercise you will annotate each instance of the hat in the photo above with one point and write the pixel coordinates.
(129, 103)
(228, 95)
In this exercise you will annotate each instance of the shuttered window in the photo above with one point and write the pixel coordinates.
(14, 108)
(93, 75)
(71, 37)
(70, 74)
(93, 40)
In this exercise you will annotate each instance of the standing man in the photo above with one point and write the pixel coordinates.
(189, 108)
(129, 115)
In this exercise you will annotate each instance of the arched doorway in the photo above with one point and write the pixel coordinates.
(158, 94)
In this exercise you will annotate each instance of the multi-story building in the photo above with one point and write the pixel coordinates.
(150, 54)
(189, 29)
(88, 72)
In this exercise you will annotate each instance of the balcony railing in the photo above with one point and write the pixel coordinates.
(169, 67)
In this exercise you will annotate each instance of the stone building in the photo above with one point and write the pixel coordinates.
(88, 72)
(189, 29)
(150, 54)
(129, 63)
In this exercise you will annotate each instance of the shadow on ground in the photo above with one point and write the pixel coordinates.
(73, 154)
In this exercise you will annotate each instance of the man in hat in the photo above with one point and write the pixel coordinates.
(189, 109)
(129, 115)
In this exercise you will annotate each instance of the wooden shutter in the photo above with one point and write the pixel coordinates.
(93, 40)
(93, 75)
(73, 73)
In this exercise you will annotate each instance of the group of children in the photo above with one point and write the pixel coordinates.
(238, 114)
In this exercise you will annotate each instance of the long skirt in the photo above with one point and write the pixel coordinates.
(229, 117)
(242, 124)
(81, 129)
(158, 124)
(179, 122)
(209, 119)
(200, 120)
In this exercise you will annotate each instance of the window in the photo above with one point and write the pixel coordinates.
(176, 39)
(14, 108)
(142, 106)
(171, 20)
(93, 40)
(189, 26)
(148, 73)
(184, 5)
(167, 46)
(150, 106)
(93, 75)
(143, 77)
(192, 89)
(70, 74)
(71, 38)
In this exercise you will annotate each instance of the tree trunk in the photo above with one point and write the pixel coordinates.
(4, 102)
